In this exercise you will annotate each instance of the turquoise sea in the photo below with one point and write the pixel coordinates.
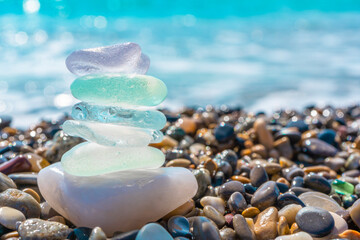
(262, 55)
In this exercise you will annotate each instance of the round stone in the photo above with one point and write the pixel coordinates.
(237, 203)
(315, 221)
(214, 215)
(6, 182)
(242, 228)
(318, 183)
(97, 234)
(265, 196)
(216, 202)
(224, 132)
(9, 217)
(258, 176)
(318, 148)
(228, 188)
(288, 198)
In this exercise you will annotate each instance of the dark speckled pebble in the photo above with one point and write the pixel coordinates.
(258, 176)
(318, 148)
(315, 221)
(317, 183)
(228, 188)
(265, 196)
(204, 228)
(224, 132)
(327, 135)
(176, 133)
(292, 172)
(288, 198)
(179, 226)
(237, 203)
(297, 182)
(293, 135)
(227, 156)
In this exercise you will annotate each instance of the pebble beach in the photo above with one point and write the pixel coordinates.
(285, 175)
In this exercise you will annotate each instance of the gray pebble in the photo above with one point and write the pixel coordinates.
(34, 229)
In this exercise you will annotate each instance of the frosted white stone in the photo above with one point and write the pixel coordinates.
(119, 201)
(119, 58)
(112, 135)
(340, 226)
(296, 236)
(87, 159)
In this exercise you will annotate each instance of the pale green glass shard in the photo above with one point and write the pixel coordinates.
(90, 159)
(111, 134)
(119, 89)
(118, 115)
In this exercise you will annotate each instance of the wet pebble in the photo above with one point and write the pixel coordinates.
(318, 183)
(228, 188)
(258, 176)
(315, 221)
(242, 228)
(97, 234)
(318, 148)
(224, 132)
(266, 224)
(228, 234)
(264, 136)
(179, 226)
(288, 198)
(289, 212)
(265, 196)
(237, 203)
(216, 202)
(6, 182)
(295, 236)
(214, 215)
(204, 229)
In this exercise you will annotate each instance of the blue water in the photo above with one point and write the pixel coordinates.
(262, 55)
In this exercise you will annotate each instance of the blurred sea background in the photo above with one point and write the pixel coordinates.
(261, 55)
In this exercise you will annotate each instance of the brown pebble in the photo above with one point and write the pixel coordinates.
(285, 163)
(167, 142)
(182, 210)
(58, 219)
(289, 212)
(216, 202)
(283, 180)
(259, 149)
(250, 223)
(37, 162)
(294, 228)
(266, 224)
(240, 179)
(316, 169)
(350, 234)
(213, 214)
(187, 124)
(264, 135)
(211, 166)
(32, 193)
(10, 235)
(284, 147)
(283, 226)
(180, 162)
(250, 212)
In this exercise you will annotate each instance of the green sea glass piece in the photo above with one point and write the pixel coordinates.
(343, 188)
(119, 89)
(90, 159)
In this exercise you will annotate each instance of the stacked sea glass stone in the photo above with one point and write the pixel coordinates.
(113, 180)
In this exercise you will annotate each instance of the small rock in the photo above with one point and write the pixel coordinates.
(295, 236)
(265, 196)
(21, 201)
(228, 188)
(9, 217)
(318, 183)
(242, 228)
(179, 226)
(266, 224)
(258, 176)
(214, 215)
(216, 202)
(264, 136)
(318, 148)
(228, 234)
(204, 229)
(315, 221)
(40, 229)
(289, 212)
(250, 212)
(237, 203)
(97, 234)
(203, 181)
(6, 182)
